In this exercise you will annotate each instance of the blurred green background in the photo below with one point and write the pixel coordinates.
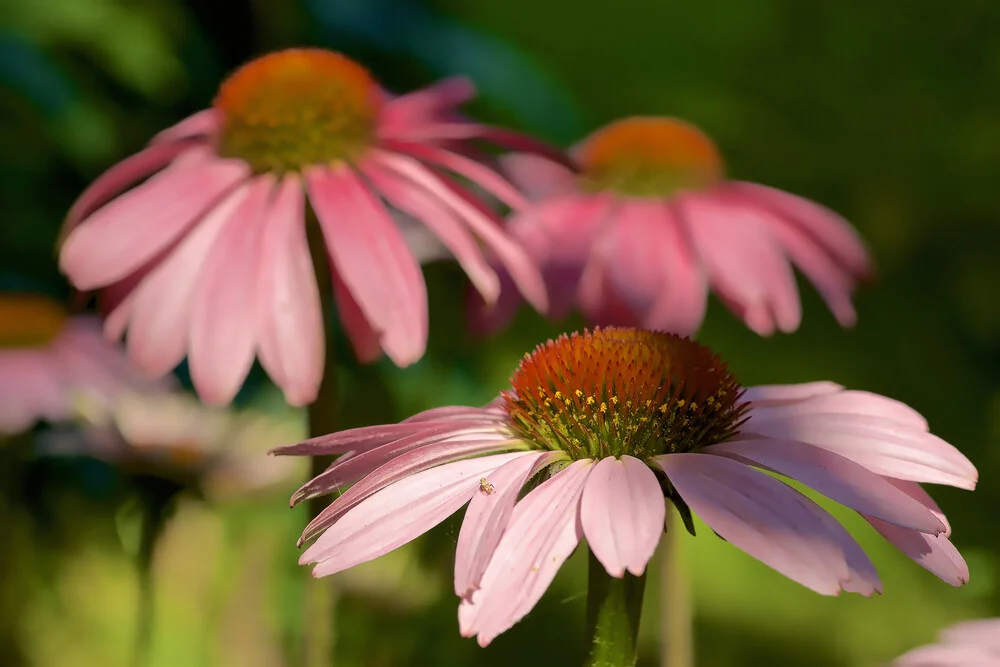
(887, 112)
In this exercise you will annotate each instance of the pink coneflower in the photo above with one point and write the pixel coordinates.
(210, 256)
(967, 644)
(611, 423)
(48, 357)
(649, 224)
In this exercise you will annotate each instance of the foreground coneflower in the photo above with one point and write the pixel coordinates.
(649, 224)
(47, 357)
(603, 426)
(966, 644)
(210, 258)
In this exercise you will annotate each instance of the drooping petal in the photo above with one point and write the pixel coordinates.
(398, 514)
(224, 320)
(364, 338)
(442, 222)
(544, 530)
(371, 257)
(918, 493)
(884, 446)
(934, 553)
(769, 395)
(367, 437)
(200, 123)
(405, 114)
(482, 222)
(538, 177)
(745, 264)
(836, 477)
(291, 319)
(622, 513)
(487, 517)
(160, 307)
(123, 235)
(764, 517)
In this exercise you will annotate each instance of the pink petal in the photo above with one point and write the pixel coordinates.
(410, 112)
(398, 514)
(442, 222)
(487, 517)
(206, 121)
(224, 321)
(544, 530)
(622, 512)
(489, 411)
(371, 257)
(836, 478)
(367, 437)
(947, 655)
(476, 172)
(364, 338)
(483, 223)
(983, 632)
(918, 493)
(745, 264)
(538, 177)
(764, 517)
(597, 296)
(769, 395)
(934, 553)
(29, 390)
(831, 231)
(119, 177)
(291, 319)
(849, 402)
(123, 235)
(162, 304)
(883, 446)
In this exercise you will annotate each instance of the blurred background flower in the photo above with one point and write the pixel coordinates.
(888, 118)
(967, 644)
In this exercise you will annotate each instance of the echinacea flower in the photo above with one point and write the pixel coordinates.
(210, 256)
(966, 644)
(172, 436)
(610, 423)
(648, 224)
(47, 357)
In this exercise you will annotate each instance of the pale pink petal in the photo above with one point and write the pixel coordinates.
(411, 111)
(948, 655)
(836, 478)
(371, 257)
(398, 514)
(161, 306)
(442, 222)
(934, 553)
(778, 394)
(482, 222)
(544, 530)
(224, 318)
(831, 231)
(118, 319)
(883, 446)
(597, 296)
(367, 437)
(538, 177)
(745, 265)
(119, 177)
(472, 170)
(487, 517)
(764, 517)
(681, 305)
(848, 402)
(29, 390)
(204, 122)
(291, 319)
(364, 338)
(622, 512)
(123, 235)
(918, 493)
(983, 632)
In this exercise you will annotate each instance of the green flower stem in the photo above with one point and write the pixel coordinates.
(614, 607)
(676, 645)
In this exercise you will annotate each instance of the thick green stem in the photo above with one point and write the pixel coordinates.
(676, 645)
(614, 607)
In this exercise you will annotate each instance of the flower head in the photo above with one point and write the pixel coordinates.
(48, 356)
(302, 157)
(602, 426)
(647, 224)
(967, 644)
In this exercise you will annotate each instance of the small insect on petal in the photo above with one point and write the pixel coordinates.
(485, 486)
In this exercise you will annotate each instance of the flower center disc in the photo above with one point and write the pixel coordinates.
(614, 391)
(648, 157)
(290, 109)
(29, 321)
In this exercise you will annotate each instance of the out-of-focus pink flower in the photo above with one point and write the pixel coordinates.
(47, 357)
(967, 644)
(649, 224)
(610, 423)
(210, 257)
(219, 452)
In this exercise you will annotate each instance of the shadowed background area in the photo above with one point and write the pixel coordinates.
(889, 117)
